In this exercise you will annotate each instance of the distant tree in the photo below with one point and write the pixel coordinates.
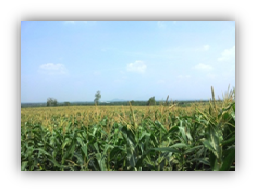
(51, 102)
(132, 102)
(97, 97)
(151, 101)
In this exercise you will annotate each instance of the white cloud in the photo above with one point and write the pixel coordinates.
(227, 54)
(202, 66)
(137, 66)
(52, 69)
(206, 47)
(161, 24)
(74, 22)
(69, 22)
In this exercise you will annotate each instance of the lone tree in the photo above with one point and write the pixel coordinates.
(51, 102)
(151, 101)
(97, 97)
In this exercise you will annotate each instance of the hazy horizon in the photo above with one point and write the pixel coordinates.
(103, 101)
(127, 60)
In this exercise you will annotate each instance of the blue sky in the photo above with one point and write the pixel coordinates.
(129, 60)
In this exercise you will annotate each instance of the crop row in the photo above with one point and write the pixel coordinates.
(158, 140)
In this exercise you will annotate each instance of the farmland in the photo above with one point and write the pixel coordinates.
(165, 137)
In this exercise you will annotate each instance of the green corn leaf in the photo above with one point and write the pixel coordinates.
(228, 141)
(173, 129)
(43, 151)
(80, 141)
(84, 149)
(67, 141)
(23, 165)
(212, 160)
(179, 145)
(228, 160)
(166, 149)
(191, 150)
(182, 130)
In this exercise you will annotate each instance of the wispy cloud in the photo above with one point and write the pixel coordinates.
(74, 22)
(206, 47)
(227, 55)
(52, 69)
(69, 22)
(161, 24)
(137, 66)
(202, 66)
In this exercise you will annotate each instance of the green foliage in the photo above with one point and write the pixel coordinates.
(151, 101)
(51, 102)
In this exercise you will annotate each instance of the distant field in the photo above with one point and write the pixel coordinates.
(200, 136)
(91, 114)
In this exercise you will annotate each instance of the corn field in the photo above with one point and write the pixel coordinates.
(151, 138)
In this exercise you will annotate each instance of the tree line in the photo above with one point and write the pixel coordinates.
(53, 102)
(151, 101)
